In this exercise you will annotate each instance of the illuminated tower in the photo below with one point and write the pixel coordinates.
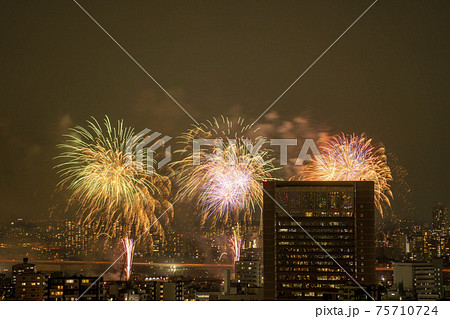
(440, 217)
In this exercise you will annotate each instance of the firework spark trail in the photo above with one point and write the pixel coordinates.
(352, 158)
(225, 185)
(235, 241)
(221, 255)
(114, 195)
(128, 245)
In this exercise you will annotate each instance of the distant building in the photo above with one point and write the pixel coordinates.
(440, 217)
(248, 272)
(173, 247)
(23, 268)
(255, 295)
(438, 244)
(338, 215)
(147, 290)
(173, 291)
(6, 288)
(418, 281)
(71, 288)
(131, 291)
(29, 286)
(417, 244)
(352, 293)
(155, 290)
(231, 291)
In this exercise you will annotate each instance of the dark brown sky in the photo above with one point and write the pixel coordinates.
(388, 77)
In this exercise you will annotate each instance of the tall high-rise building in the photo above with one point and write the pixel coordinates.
(173, 246)
(340, 216)
(440, 217)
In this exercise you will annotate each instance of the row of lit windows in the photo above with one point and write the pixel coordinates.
(330, 278)
(83, 281)
(294, 249)
(288, 262)
(306, 269)
(345, 260)
(335, 250)
(334, 230)
(321, 223)
(303, 247)
(297, 214)
(282, 277)
(307, 285)
(315, 200)
(319, 237)
(293, 269)
(32, 283)
(349, 244)
(308, 257)
(56, 293)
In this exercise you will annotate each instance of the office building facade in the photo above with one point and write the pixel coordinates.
(340, 216)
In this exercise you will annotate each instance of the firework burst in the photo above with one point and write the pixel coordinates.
(226, 182)
(352, 158)
(128, 246)
(235, 241)
(113, 194)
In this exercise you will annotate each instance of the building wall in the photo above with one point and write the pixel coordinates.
(71, 288)
(30, 287)
(173, 291)
(248, 272)
(423, 281)
(22, 268)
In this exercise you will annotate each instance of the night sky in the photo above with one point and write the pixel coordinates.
(387, 77)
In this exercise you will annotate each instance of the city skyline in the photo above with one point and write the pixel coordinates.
(399, 246)
(212, 151)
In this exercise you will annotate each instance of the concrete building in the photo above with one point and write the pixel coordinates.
(248, 272)
(29, 286)
(418, 281)
(173, 291)
(23, 268)
(71, 288)
(231, 291)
